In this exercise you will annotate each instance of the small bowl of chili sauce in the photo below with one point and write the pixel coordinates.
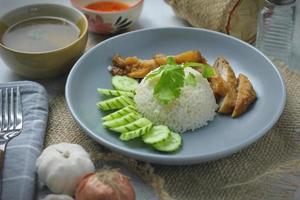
(109, 16)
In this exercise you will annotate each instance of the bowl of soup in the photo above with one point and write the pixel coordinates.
(109, 16)
(42, 40)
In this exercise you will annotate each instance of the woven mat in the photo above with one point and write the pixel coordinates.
(268, 169)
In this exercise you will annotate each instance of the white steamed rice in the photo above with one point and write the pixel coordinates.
(193, 109)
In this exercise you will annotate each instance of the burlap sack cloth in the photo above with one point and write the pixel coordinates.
(268, 169)
(234, 17)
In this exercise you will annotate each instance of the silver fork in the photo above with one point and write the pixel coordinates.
(11, 120)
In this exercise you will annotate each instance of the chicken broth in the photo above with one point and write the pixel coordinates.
(40, 34)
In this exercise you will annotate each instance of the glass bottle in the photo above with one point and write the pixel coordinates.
(275, 29)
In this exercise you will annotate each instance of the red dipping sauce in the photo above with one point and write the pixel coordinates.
(108, 6)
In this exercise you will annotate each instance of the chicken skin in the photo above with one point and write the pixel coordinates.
(245, 96)
(227, 102)
(132, 66)
(218, 85)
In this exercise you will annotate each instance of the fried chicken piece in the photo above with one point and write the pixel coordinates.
(118, 61)
(138, 68)
(228, 102)
(187, 56)
(119, 66)
(190, 56)
(160, 59)
(245, 96)
(224, 78)
(218, 85)
(145, 66)
(225, 71)
(148, 64)
(236, 94)
(127, 63)
(132, 66)
(118, 71)
(142, 68)
(139, 73)
(133, 60)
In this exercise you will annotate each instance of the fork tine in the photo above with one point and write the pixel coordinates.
(5, 110)
(1, 110)
(11, 115)
(18, 109)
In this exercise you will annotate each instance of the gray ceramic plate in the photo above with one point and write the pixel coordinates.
(221, 137)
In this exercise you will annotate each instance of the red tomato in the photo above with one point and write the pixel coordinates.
(105, 185)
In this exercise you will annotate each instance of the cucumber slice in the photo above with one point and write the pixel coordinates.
(136, 133)
(132, 126)
(172, 143)
(120, 113)
(107, 92)
(124, 83)
(156, 134)
(122, 121)
(115, 103)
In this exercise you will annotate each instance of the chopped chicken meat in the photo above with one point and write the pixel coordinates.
(227, 90)
(160, 59)
(245, 96)
(190, 56)
(226, 72)
(218, 85)
(228, 102)
(235, 95)
(138, 68)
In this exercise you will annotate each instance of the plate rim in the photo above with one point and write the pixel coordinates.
(166, 158)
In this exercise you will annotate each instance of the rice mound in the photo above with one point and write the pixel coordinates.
(193, 109)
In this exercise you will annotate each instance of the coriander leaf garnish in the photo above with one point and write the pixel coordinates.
(172, 79)
(207, 70)
(155, 72)
(191, 80)
(171, 60)
(169, 86)
(194, 64)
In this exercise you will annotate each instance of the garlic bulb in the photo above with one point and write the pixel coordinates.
(61, 166)
(57, 197)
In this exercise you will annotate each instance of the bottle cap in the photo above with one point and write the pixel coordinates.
(282, 2)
